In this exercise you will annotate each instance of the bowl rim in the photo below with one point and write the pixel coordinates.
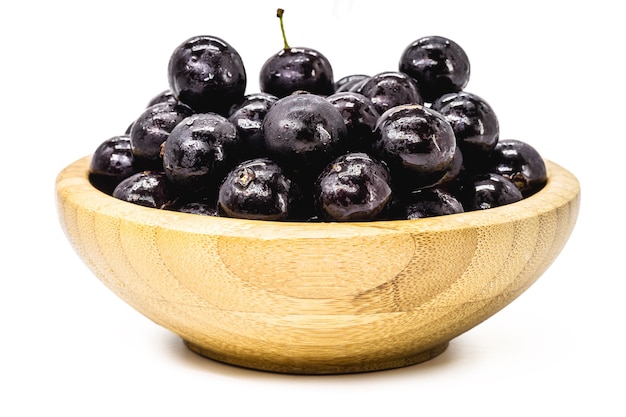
(73, 186)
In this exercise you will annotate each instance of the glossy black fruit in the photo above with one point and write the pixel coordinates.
(296, 69)
(474, 122)
(485, 191)
(389, 89)
(199, 151)
(304, 132)
(521, 163)
(347, 82)
(111, 162)
(359, 115)
(427, 202)
(257, 189)
(146, 188)
(353, 187)
(248, 119)
(437, 64)
(207, 74)
(151, 130)
(417, 143)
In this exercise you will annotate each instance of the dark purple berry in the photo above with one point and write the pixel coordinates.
(485, 191)
(360, 117)
(417, 143)
(437, 64)
(207, 74)
(248, 119)
(151, 130)
(389, 89)
(474, 122)
(353, 187)
(146, 188)
(111, 162)
(428, 202)
(296, 69)
(347, 82)
(521, 163)
(199, 151)
(303, 132)
(257, 189)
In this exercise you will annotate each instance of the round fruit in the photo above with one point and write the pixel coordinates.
(199, 151)
(474, 122)
(521, 163)
(417, 143)
(111, 162)
(248, 119)
(296, 69)
(437, 64)
(485, 191)
(151, 130)
(146, 188)
(359, 115)
(389, 89)
(347, 82)
(304, 132)
(207, 74)
(354, 187)
(428, 202)
(257, 189)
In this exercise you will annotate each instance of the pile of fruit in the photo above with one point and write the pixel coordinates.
(402, 144)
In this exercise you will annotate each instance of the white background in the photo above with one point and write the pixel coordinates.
(75, 73)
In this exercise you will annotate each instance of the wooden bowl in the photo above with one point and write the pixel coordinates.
(317, 298)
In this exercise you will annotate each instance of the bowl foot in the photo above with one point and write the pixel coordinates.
(330, 367)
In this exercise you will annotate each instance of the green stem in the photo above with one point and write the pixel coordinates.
(279, 14)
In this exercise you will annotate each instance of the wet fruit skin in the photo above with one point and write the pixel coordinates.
(417, 143)
(151, 129)
(353, 187)
(111, 162)
(389, 89)
(303, 132)
(247, 117)
(486, 191)
(257, 189)
(359, 115)
(427, 202)
(437, 64)
(297, 69)
(146, 188)
(199, 151)
(474, 122)
(521, 163)
(347, 82)
(207, 74)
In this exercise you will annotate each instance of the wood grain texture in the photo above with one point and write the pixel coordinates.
(317, 298)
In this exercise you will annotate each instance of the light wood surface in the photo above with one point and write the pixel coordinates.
(317, 298)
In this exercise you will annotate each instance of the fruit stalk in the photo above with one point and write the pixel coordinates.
(279, 15)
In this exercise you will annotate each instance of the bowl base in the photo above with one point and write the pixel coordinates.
(318, 368)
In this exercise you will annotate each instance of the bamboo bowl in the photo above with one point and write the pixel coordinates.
(316, 298)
